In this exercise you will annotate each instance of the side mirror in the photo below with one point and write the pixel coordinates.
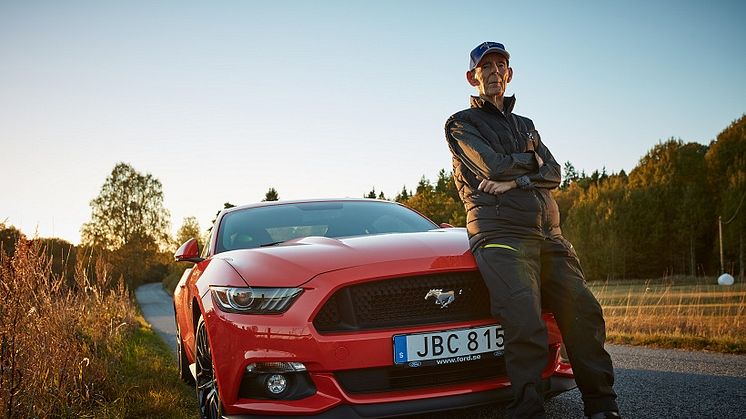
(188, 252)
(445, 225)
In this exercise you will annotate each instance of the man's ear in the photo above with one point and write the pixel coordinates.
(470, 78)
(510, 74)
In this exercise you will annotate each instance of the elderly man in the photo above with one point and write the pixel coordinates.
(504, 174)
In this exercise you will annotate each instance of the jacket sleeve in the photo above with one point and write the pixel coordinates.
(547, 176)
(468, 145)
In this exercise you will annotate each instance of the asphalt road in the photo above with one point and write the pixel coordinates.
(651, 383)
(157, 307)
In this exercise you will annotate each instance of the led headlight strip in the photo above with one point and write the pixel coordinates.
(254, 300)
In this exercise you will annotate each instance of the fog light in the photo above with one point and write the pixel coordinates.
(276, 383)
(276, 380)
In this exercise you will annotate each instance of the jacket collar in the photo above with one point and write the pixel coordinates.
(481, 103)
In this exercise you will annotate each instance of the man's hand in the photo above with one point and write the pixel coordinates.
(496, 188)
(539, 159)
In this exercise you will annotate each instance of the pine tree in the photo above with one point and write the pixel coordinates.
(271, 195)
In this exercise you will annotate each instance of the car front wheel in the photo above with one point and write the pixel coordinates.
(208, 397)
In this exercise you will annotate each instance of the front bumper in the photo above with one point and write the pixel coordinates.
(327, 358)
(554, 385)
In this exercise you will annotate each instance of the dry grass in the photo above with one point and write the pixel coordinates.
(55, 333)
(693, 314)
(76, 347)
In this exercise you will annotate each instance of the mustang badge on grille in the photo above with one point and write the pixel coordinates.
(442, 298)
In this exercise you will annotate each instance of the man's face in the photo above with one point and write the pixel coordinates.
(491, 76)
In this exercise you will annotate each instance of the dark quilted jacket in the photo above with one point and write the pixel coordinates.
(487, 143)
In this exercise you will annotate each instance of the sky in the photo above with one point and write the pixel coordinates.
(221, 100)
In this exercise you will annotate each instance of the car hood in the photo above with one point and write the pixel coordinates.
(295, 262)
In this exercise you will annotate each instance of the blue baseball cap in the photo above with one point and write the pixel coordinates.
(483, 49)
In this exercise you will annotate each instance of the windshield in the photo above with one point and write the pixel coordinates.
(255, 227)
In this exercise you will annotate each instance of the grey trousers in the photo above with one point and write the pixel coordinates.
(522, 276)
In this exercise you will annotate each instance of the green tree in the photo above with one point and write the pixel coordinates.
(130, 226)
(675, 175)
(446, 186)
(591, 224)
(9, 236)
(372, 195)
(271, 195)
(437, 202)
(566, 198)
(62, 256)
(726, 163)
(226, 205)
(189, 229)
(424, 186)
(140, 260)
(403, 196)
(653, 222)
(60, 253)
(570, 175)
(661, 219)
(128, 208)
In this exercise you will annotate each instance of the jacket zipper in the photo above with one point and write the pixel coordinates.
(509, 119)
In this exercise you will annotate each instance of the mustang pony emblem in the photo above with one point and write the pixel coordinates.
(442, 298)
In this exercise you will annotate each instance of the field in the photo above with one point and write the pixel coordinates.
(681, 313)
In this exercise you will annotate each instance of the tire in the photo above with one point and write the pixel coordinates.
(208, 397)
(184, 374)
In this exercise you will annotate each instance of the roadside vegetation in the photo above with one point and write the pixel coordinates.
(75, 346)
(685, 313)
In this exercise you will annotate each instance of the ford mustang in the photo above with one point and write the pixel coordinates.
(340, 308)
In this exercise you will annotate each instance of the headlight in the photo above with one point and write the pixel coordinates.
(254, 300)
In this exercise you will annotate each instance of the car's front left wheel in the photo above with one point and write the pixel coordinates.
(208, 397)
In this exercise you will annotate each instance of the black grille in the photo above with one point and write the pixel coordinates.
(372, 380)
(401, 302)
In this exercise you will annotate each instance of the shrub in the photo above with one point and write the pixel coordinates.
(58, 335)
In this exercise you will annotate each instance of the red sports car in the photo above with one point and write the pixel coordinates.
(340, 308)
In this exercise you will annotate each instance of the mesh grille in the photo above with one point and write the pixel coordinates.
(401, 302)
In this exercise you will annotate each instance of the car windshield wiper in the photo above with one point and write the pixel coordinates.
(272, 244)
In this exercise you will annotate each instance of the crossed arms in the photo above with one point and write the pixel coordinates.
(497, 170)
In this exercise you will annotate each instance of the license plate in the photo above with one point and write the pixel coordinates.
(449, 346)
